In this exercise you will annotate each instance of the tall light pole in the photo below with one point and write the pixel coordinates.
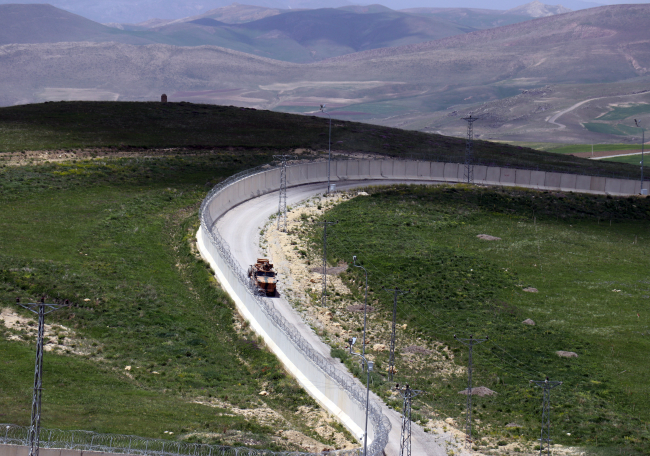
(329, 147)
(368, 365)
(365, 304)
(642, 147)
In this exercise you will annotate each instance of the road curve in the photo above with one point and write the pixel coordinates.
(240, 228)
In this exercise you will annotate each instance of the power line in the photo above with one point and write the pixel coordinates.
(468, 422)
(545, 437)
(391, 358)
(405, 440)
(439, 323)
(282, 205)
(42, 309)
(324, 292)
(469, 165)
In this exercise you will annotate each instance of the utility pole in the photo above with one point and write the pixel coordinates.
(329, 147)
(391, 357)
(323, 297)
(407, 395)
(545, 437)
(365, 305)
(367, 366)
(642, 150)
(282, 207)
(468, 422)
(41, 309)
(469, 165)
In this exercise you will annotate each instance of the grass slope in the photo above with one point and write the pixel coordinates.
(113, 237)
(587, 256)
(70, 125)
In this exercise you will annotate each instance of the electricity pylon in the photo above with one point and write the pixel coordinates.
(282, 207)
(545, 437)
(407, 395)
(42, 309)
(468, 421)
(391, 356)
(469, 159)
(324, 292)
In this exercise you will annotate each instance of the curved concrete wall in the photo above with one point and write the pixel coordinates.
(319, 385)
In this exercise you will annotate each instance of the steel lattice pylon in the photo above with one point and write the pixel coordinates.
(545, 437)
(468, 421)
(468, 176)
(391, 357)
(282, 206)
(407, 395)
(41, 309)
(324, 291)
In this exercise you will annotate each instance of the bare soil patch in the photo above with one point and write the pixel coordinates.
(480, 391)
(487, 237)
(416, 349)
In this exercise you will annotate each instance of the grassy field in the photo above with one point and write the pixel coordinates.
(609, 129)
(633, 160)
(119, 125)
(587, 257)
(619, 113)
(113, 236)
(577, 148)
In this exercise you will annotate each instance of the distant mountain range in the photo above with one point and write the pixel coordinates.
(299, 36)
(515, 75)
(136, 11)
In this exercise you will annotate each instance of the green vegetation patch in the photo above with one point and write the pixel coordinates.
(619, 113)
(152, 339)
(578, 148)
(574, 264)
(125, 125)
(633, 160)
(609, 129)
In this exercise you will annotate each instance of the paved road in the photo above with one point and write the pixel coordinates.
(240, 228)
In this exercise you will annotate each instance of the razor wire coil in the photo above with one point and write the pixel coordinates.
(380, 423)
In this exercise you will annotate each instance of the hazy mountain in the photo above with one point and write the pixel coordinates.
(402, 86)
(47, 24)
(486, 18)
(236, 14)
(366, 9)
(297, 36)
(470, 17)
(136, 11)
(331, 32)
(480, 4)
(538, 9)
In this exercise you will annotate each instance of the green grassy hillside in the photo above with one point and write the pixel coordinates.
(587, 259)
(150, 342)
(119, 125)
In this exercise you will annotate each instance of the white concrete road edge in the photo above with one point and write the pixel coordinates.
(246, 205)
(289, 365)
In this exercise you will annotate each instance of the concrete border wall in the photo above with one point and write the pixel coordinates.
(325, 390)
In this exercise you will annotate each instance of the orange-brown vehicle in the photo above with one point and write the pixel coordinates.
(263, 275)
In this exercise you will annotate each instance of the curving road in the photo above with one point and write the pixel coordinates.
(240, 228)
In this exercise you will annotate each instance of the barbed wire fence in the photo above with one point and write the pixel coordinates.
(380, 423)
(11, 434)
(126, 444)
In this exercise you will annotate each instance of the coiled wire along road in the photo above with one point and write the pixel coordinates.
(235, 210)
